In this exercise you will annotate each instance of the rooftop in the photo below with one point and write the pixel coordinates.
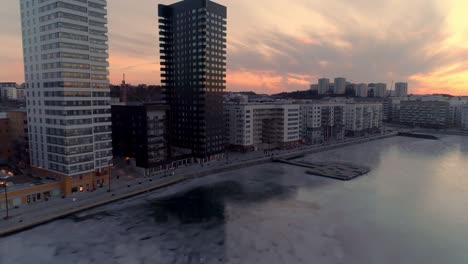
(18, 182)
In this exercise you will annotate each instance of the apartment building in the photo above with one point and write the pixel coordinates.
(256, 126)
(19, 140)
(4, 139)
(322, 121)
(139, 133)
(464, 122)
(401, 89)
(362, 118)
(434, 114)
(361, 90)
(67, 88)
(193, 72)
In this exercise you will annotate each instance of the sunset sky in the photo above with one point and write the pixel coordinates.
(278, 46)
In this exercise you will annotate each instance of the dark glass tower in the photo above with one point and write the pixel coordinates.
(193, 71)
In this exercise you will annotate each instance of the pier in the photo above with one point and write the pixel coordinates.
(333, 170)
(417, 135)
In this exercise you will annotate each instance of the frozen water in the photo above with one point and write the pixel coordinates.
(411, 208)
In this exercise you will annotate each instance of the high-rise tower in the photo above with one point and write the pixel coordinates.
(401, 89)
(193, 71)
(66, 73)
(324, 85)
(340, 85)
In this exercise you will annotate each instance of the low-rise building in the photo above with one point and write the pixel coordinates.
(254, 126)
(434, 114)
(322, 121)
(23, 190)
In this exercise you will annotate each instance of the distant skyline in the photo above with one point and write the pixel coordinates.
(286, 46)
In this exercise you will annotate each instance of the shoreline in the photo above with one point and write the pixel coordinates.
(90, 203)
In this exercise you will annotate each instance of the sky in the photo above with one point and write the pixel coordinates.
(276, 46)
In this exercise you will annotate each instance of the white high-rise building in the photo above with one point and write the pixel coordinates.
(324, 85)
(361, 90)
(380, 90)
(67, 88)
(401, 89)
(340, 85)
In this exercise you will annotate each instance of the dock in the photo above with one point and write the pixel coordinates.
(333, 170)
(417, 135)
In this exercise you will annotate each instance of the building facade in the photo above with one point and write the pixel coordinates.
(67, 88)
(322, 121)
(193, 61)
(380, 90)
(19, 141)
(139, 132)
(363, 118)
(361, 90)
(464, 121)
(9, 91)
(401, 89)
(392, 106)
(455, 111)
(339, 85)
(434, 114)
(314, 88)
(4, 139)
(257, 126)
(323, 86)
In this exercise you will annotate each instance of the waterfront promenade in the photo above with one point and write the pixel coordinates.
(126, 186)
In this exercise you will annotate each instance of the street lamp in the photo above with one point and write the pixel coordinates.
(5, 186)
(109, 169)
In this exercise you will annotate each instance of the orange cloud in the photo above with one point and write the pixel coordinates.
(451, 79)
(258, 80)
(137, 70)
(266, 81)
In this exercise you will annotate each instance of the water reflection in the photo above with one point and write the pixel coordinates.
(207, 203)
(408, 209)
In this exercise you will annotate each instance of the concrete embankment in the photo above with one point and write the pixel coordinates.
(60, 210)
(14, 226)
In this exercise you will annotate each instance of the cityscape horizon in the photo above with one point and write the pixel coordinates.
(269, 67)
(221, 141)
